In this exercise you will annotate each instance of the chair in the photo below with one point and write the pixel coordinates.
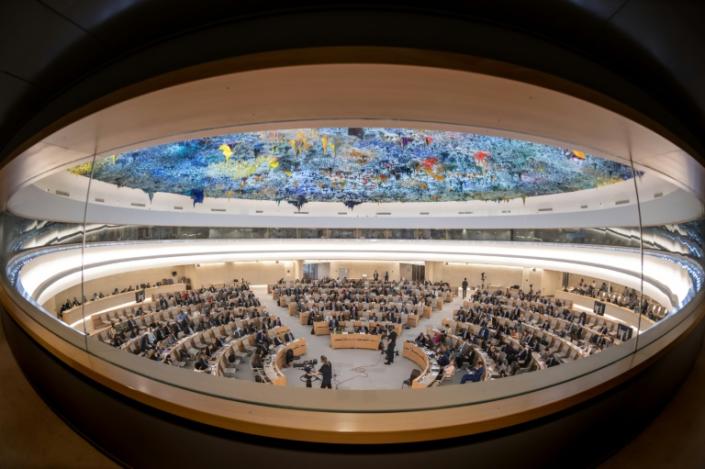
(190, 349)
(415, 373)
(199, 342)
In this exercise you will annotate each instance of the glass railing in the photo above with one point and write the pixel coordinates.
(629, 283)
(28, 236)
(25, 240)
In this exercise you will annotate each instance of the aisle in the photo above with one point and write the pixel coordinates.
(353, 369)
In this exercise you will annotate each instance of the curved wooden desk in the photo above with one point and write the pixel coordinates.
(273, 368)
(355, 340)
(429, 366)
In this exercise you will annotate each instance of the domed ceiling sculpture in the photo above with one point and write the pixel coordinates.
(355, 165)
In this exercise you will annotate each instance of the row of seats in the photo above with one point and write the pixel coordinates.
(402, 302)
(345, 294)
(99, 295)
(628, 298)
(232, 297)
(562, 322)
(446, 355)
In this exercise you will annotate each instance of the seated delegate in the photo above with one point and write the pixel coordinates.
(473, 375)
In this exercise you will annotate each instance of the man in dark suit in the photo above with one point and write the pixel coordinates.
(326, 373)
(474, 375)
(391, 345)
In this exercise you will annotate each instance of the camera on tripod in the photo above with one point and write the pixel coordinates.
(308, 377)
(307, 365)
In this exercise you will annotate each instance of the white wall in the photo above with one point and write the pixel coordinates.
(254, 272)
(432, 271)
(357, 268)
(108, 284)
(117, 259)
(499, 276)
(574, 281)
(551, 282)
(324, 269)
(405, 271)
(531, 278)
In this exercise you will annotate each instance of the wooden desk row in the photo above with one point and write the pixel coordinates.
(355, 341)
(366, 308)
(429, 366)
(481, 356)
(118, 300)
(412, 320)
(240, 344)
(622, 314)
(554, 321)
(322, 327)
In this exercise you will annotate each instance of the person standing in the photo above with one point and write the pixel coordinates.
(391, 345)
(326, 373)
(465, 287)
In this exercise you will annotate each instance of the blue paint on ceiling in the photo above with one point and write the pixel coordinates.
(356, 165)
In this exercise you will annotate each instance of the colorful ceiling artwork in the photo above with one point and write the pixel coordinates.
(355, 165)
